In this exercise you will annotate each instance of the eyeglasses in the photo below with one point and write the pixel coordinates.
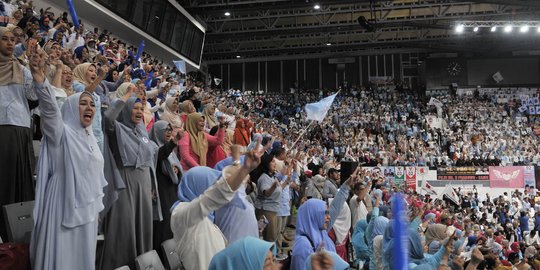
(169, 128)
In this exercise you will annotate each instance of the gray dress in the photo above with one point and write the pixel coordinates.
(69, 188)
(128, 224)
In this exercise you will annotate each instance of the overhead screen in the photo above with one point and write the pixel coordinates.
(163, 21)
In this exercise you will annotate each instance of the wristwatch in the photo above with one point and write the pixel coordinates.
(236, 163)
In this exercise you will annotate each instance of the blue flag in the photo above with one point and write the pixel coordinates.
(400, 258)
(148, 81)
(180, 65)
(73, 13)
(317, 111)
(139, 53)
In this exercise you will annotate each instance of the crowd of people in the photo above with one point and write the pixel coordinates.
(136, 151)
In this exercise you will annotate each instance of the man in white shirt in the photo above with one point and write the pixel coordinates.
(360, 202)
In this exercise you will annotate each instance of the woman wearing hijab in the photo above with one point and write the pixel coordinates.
(435, 232)
(194, 145)
(16, 161)
(168, 173)
(416, 252)
(85, 78)
(128, 224)
(171, 114)
(186, 108)
(70, 182)
(249, 253)
(209, 114)
(312, 223)
(202, 191)
(241, 136)
(359, 240)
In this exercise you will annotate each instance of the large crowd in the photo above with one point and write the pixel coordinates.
(138, 152)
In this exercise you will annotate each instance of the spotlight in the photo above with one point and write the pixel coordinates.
(227, 13)
(524, 29)
(508, 29)
(316, 6)
(238, 56)
(460, 28)
(494, 28)
(538, 30)
(476, 29)
(328, 44)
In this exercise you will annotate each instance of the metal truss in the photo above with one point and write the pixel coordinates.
(261, 28)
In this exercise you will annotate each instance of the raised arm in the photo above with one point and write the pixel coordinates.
(218, 139)
(110, 115)
(52, 125)
(217, 195)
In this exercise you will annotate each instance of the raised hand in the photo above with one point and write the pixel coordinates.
(321, 261)
(253, 158)
(37, 63)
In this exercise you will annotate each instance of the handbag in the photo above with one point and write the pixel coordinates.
(14, 256)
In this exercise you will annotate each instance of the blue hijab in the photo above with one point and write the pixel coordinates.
(310, 221)
(359, 239)
(388, 245)
(416, 250)
(309, 232)
(194, 183)
(248, 253)
(379, 226)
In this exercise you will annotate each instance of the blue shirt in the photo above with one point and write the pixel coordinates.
(14, 108)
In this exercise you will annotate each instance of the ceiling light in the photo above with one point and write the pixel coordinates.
(227, 13)
(524, 29)
(476, 29)
(460, 28)
(238, 56)
(494, 28)
(328, 44)
(508, 29)
(316, 6)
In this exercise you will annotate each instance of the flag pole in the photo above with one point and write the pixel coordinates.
(302, 134)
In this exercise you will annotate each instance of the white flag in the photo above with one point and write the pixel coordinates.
(435, 102)
(317, 111)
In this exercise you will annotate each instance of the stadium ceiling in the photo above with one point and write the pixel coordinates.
(262, 29)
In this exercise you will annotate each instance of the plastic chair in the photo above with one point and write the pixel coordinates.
(172, 262)
(149, 261)
(19, 221)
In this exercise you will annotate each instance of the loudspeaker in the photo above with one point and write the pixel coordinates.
(347, 168)
(362, 21)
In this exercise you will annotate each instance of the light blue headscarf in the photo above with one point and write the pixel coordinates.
(248, 253)
(416, 250)
(194, 183)
(309, 227)
(359, 239)
(388, 245)
(379, 226)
